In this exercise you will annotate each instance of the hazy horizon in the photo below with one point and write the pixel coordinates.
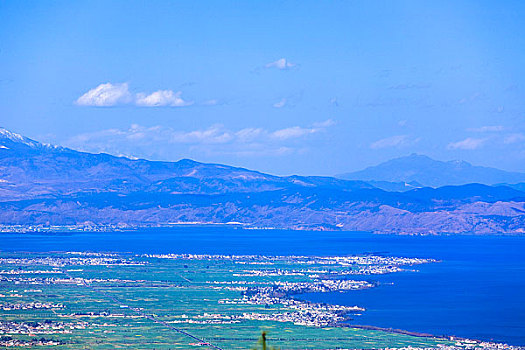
(289, 174)
(284, 88)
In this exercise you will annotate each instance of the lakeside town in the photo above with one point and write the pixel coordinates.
(184, 291)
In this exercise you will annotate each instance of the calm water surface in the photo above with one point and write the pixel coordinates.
(477, 291)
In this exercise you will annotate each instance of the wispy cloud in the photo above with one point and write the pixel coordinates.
(161, 98)
(249, 134)
(150, 141)
(469, 143)
(281, 63)
(393, 141)
(106, 95)
(213, 135)
(280, 104)
(293, 132)
(298, 131)
(473, 98)
(487, 128)
(409, 86)
(324, 124)
(514, 138)
(212, 102)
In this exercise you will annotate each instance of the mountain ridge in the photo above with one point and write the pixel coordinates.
(47, 185)
(34, 166)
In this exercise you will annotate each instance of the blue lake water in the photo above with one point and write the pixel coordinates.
(477, 291)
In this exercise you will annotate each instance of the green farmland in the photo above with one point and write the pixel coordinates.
(109, 301)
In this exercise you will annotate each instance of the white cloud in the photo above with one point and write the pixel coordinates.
(392, 141)
(298, 131)
(514, 138)
(249, 134)
(324, 124)
(106, 95)
(211, 102)
(293, 132)
(280, 104)
(165, 143)
(161, 98)
(467, 144)
(487, 128)
(213, 135)
(281, 63)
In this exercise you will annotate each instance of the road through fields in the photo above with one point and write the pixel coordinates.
(149, 317)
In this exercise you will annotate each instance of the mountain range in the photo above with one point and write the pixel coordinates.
(48, 185)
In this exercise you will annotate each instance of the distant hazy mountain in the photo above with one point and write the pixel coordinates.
(429, 172)
(49, 185)
(31, 169)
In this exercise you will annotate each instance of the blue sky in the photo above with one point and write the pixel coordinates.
(306, 87)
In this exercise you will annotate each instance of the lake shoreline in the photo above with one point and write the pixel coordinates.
(479, 279)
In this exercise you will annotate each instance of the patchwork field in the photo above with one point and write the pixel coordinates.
(107, 301)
